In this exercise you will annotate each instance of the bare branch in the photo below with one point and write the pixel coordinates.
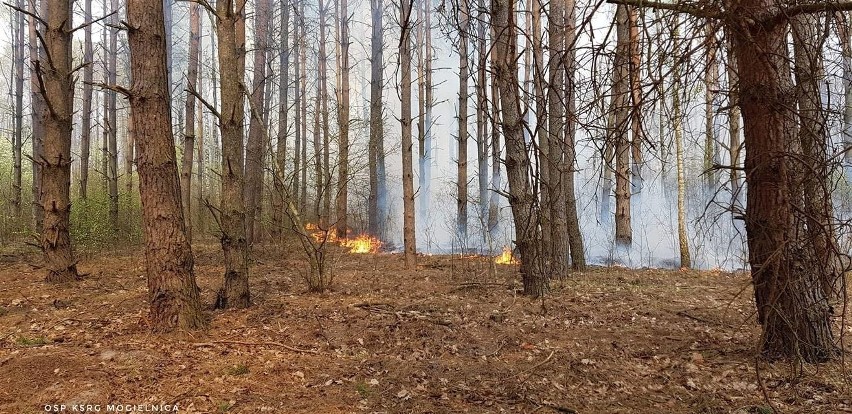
(115, 88)
(84, 25)
(687, 8)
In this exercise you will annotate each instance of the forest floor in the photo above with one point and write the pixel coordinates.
(447, 337)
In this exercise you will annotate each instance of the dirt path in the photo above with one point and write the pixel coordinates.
(446, 338)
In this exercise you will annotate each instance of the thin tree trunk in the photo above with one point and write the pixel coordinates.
(112, 138)
(189, 117)
(375, 154)
(846, 59)
(461, 139)
(734, 129)
(482, 135)
(56, 75)
(521, 199)
(38, 113)
(569, 154)
(677, 127)
(419, 46)
(303, 196)
(621, 93)
(711, 86)
(280, 172)
(342, 201)
(324, 171)
(405, 122)
(172, 293)
(426, 164)
(816, 184)
(230, 27)
(636, 102)
(18, 122)
(496, 160)
(255, 148)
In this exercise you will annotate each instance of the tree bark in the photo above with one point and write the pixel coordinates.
(56, 74)
(255, 148)
(86, 118)
(38, 112)
(189, 117)
(677, 127)
(375, 148)
(621, 94)
(18, 47)
(554, 142)
(711, 87)
(482, 135)
(280, 172)
(408, 228)
(111, 170)
(342, 200)
(569, 153)
(521, 198)
(790, 301)
(172, 293)
(461, 139)
(230, 27)
(846, 59)
(734, 129)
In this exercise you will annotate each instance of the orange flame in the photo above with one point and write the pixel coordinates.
(506, 257)
(364, 243)
(320, 235)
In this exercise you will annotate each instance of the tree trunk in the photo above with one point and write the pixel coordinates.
(38, 113)
(461, 163)
(376, 154)
(711, 87)
(56, 74)
(18, 47)
(230, 26)
(86, 118)
(255, 148)
(846, 58)
(172, 292)
(342, 201)
(734, 129)
(325, 168)
(636, 102)
(521, 198)
(677, 127)
(569, 153)
(482, 135)
(189, 117)
(280, 173)
(555, 140)
(408, 228)
(303, 79)
(426, 163)
(816, 183)
(621, 94)
(112, 137)
(496, 159)
(790, 301)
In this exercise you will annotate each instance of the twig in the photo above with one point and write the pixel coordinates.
(277, 344)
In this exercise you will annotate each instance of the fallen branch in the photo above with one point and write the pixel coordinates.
(276, 344)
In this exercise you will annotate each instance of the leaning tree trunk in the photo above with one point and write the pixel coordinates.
(255, 148)
(56, 73)
(189, 117)
(172, 292)
(790, 301)
(407, 144)
(521, 198)
(230, 28)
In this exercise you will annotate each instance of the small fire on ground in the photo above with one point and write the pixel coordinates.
(364, 243)
(506, 257)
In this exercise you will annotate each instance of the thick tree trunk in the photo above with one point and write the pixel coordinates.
(255, 148)
(189, 117)
(172, 292)
(342, 201)
(56, 74)
(230, 26)
(555, 140)
(461, 139)
(408, 228)
(790, 301)
(376, 154)
(521, 198)
(621, 94)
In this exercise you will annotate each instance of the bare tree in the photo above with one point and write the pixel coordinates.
(376, 202)
(620, 141)
(342, 201)
(86, 117)
(461, 162)
(189, 116)
(255, 148)
(18, 47)
(283, 124)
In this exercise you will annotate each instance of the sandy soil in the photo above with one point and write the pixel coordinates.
(449, 337)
